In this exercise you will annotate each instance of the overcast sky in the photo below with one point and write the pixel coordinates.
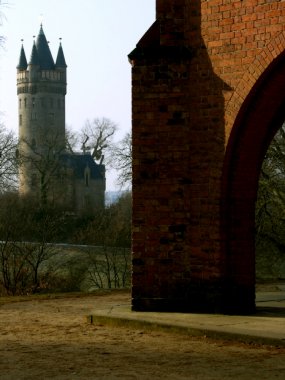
(97, 36)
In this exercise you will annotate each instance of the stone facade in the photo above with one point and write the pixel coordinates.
(47, 170)
(208, 96)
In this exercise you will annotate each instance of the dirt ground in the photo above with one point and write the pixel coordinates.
(51, 339)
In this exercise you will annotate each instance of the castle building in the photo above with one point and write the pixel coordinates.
(48, 170)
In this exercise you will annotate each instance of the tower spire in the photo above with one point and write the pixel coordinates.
(60, 60)
(34, 60)
(45, 58)
(22, 65)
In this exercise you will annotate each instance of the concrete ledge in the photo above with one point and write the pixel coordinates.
(257, 329)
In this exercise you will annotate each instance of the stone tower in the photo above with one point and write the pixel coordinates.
(48, 171)
(41, 88)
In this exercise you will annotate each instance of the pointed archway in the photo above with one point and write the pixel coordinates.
(260, 116)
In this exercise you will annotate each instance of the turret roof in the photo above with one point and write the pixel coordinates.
(60, 60)
(45, 58)
(41, 55)
(34, 60)
(22, 65)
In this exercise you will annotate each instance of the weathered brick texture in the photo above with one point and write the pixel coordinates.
(208, 96)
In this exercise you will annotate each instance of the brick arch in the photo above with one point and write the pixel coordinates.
(260, 116)
(264, 58)
(208, 95)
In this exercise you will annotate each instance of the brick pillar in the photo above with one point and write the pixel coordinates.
(178, 152)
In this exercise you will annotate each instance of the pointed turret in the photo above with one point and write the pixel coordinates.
(34, 60)
(45, 58)
(60, 60)
(22, 65)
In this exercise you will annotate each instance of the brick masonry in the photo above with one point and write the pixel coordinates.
(208, 82)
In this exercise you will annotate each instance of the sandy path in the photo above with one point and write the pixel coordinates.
(51, 339)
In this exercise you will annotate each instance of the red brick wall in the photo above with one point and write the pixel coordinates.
(196, 76)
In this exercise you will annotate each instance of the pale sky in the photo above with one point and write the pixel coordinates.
(97, 36)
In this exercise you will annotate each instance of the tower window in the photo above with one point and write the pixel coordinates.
(33, 102)
(87, 176)
(25, 102)
(20, 119)
(87, 179)
(20, 103)
(33, 116)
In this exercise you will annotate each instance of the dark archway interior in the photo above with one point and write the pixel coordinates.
(260, 117)
(270, 227)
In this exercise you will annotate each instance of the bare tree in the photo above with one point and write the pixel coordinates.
(122, 161)
(14, 273)
(27, 233)
(7, 141)
(2, 17)
(71, 138)
(8, 160)
(97, 137)
(109, 227)
(110, 268)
